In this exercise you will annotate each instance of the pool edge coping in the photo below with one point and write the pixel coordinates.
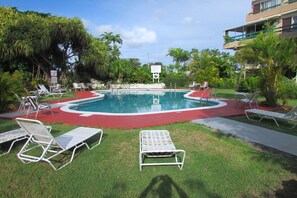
(68, 104)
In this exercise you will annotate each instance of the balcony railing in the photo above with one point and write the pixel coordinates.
(251, 35)
(265, 9)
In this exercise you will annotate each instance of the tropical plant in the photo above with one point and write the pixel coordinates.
(212, 66)
(112, 40)
(41, 42)
(287, 89)
(94, 61)
(179, 56)
(9, 86)
(275, 55)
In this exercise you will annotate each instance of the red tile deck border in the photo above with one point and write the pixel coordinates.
(137, 121)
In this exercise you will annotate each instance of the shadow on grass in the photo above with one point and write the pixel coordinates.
(287, 161)
(162, 186)
(289, 189)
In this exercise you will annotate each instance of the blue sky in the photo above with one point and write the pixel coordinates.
(150, 27)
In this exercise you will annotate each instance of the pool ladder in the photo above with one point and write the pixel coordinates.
(210, 93)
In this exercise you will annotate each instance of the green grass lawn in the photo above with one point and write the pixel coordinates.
(52, 98)
(215, 166)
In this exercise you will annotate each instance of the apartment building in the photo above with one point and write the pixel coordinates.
(281, 13)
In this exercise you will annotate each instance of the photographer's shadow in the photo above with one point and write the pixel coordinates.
(163, 186)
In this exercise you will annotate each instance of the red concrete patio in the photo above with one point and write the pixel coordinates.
(136, 121)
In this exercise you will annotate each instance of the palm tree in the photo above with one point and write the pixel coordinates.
(275, 55)
(179, 55)
(114, 39)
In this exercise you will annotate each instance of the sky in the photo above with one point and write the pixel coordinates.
(149, 28)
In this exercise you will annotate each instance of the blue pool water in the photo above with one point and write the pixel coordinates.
(140, 102)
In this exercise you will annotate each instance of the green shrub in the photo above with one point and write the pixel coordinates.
(248, 85)
(287, 89)
(226, 83)
(10, 84)
(178, 79)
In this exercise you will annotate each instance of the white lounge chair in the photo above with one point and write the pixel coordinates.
(23, 103)
(14, 136)
(58, 89)
(42, 140)
(193, 85)
(77, 86)
(84, 86)
(204, 85)
(290, 117)
(44, 91)
(34, 106)
(250, 99)
(158, 144)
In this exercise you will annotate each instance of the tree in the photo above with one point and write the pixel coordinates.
(112, 40)
(275, 55)
(211, 65)
(179, 55)
(39, 42)
(94, 61)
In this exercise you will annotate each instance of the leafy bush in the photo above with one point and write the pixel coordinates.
(142, 75)
(226, 83)
(178, 79)
(10, 84)
(287, 89)
(248, 85)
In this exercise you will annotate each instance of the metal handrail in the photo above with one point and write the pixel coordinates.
(245, 36)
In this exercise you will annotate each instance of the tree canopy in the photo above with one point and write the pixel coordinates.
(274, 55)
(41, 42)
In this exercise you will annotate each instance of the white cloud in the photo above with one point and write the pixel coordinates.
(132, 38)
(138, 36)
(187, 20)
(103, 28)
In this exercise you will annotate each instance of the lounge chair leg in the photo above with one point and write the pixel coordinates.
(140, 161)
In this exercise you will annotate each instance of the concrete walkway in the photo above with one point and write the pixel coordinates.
(270, 138)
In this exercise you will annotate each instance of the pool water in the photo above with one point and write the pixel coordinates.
(140, 102)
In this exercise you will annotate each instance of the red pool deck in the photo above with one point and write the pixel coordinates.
(136, 121)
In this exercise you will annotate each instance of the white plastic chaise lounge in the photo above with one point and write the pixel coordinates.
(158, 144)
(36, 107)
(250, 99)
(77, 86)
(290, 117)
(14, 136)
(41, 139)
(204, 85)
(84, 86)
(43, 90)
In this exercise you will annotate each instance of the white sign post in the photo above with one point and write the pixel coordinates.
(54, 77)
(156, 70)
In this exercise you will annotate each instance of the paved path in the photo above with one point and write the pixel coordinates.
(270, 138)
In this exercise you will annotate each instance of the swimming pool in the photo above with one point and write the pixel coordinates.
(133, 102)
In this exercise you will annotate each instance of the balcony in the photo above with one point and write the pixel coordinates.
(235, 41)
(265, 9)
(274, 11)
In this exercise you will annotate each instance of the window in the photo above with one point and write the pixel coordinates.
(287, 24)
(256, 8)
(270, 4)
